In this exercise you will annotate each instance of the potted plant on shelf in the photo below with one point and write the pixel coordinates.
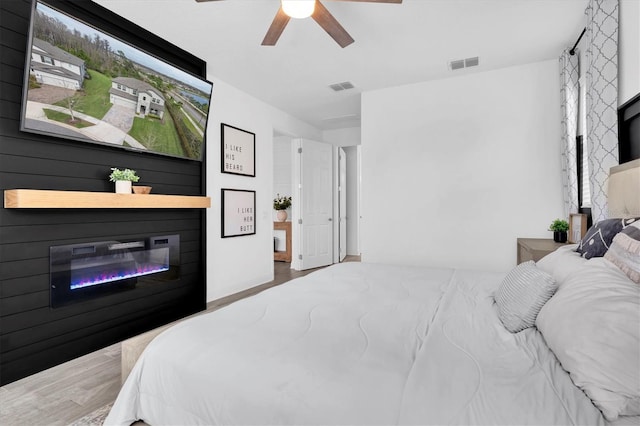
(280, 205)
(559, 228)
(123, 179)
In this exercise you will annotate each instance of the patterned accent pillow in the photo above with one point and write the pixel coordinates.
(599, 237)
(522, 294)
(625, 251)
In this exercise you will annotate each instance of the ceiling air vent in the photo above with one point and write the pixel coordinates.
(464, 63)
(345, 85)
(471, 62)
(456, 65)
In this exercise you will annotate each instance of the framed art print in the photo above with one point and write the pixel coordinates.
(577, 227)
(238, 212)
(238, 151)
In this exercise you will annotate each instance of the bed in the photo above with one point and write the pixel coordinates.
(557, 342)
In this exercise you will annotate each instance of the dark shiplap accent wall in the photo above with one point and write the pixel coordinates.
(33, 336)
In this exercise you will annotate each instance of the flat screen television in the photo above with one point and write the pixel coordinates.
(85, 84)
(629, 130)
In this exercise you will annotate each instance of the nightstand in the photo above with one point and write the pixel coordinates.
(536, 248)
(283, 256)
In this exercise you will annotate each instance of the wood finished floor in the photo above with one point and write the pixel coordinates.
(63, 394)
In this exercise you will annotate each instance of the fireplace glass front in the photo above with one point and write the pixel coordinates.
(85, 271)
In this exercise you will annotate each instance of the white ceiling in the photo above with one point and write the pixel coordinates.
(394, 45)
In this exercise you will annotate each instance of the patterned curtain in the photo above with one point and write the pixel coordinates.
(602, 98)
(569, 93)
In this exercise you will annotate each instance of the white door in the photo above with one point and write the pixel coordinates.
(316, 210)
(342, 202)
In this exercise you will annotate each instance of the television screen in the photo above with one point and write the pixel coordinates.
(82, 83)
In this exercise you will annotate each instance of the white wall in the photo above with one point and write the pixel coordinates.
(453, 171)
(342, 137)
(282, 169)
(629, 50)
(235, 264)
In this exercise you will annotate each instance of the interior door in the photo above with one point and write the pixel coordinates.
(316, 195)
(342, 202)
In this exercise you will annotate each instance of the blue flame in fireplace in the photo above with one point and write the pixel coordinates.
(89, 280)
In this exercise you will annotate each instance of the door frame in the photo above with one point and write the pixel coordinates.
(337, 191)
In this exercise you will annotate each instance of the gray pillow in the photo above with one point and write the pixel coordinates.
(598, 238)
(522, 294)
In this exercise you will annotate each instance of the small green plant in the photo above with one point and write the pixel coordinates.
(281, 203)
(126, 174)
(559, 225)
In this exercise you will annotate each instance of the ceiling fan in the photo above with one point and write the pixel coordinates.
(313, 8)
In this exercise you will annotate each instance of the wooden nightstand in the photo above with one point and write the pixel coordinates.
(283, 256)
(535, 248)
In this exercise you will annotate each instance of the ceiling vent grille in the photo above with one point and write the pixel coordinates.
(464, 63)
(456, 65)
(345, 85)
(471, 62)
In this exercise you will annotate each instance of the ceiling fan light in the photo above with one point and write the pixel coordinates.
(298, 9)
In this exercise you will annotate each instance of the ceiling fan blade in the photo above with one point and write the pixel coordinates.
(275, 30)
(203, 1)
(364, 1)
(326, 20)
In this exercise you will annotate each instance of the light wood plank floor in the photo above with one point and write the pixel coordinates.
(63, 394)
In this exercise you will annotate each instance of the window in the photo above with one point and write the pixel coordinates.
(584, 192)
(46, 60)
(582, 152)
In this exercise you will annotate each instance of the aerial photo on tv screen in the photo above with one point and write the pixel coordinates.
(85, 84)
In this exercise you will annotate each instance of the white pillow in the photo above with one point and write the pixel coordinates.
(562, 263)
(521, 295)
(624, 251)
(592, 324)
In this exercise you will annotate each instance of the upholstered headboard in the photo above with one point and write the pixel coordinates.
(624, 190)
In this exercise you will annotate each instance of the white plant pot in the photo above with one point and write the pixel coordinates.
(123, 187)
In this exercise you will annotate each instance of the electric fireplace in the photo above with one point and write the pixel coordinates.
(85, 271)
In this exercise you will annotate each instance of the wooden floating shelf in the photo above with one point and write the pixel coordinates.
(42, 199)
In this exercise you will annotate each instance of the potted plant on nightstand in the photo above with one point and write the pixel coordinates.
(559, 228)
(281, 204)
(123, 179)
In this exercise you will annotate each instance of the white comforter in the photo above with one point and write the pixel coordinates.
(354, 343)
